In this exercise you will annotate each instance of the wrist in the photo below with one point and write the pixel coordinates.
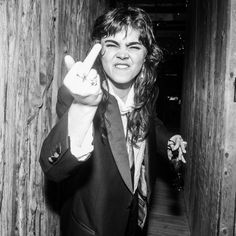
(80, 118)
(80, 112)
(89, 100)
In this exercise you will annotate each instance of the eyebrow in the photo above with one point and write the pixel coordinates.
(111, 41)
(129, 44)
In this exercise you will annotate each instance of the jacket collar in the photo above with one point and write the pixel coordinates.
(117, 142)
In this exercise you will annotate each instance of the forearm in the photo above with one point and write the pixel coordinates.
(56, 158)
(162, 137)
(80, 118)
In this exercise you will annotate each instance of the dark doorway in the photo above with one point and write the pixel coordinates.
(169, 23)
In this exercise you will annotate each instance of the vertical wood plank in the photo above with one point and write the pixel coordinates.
(228, 192)
(206, 124)
(34, 37)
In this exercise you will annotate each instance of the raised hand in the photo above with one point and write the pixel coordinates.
(83, 81)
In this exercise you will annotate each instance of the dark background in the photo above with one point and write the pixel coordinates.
(169, 23)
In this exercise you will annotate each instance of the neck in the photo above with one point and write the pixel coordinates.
(121, 90)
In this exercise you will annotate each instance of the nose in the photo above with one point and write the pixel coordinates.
(122, 54)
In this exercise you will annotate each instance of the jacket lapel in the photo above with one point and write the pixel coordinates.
(117, 142)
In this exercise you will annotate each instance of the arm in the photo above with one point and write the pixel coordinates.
(168, 143)
(68, 142)
(77, 103)
(77, 112)
(162, 135)
(57, 146)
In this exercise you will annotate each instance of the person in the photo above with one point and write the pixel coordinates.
(103, 148)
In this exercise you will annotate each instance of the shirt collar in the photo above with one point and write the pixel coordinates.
(126, 106)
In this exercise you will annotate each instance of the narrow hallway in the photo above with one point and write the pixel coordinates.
(168, 215)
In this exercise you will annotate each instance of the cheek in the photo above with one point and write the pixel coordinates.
(139, 64)
(139, 59)
(105, 57)
(106, 64)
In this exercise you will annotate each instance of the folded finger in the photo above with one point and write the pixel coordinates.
(177, 145)
(181, 156)
(72, 76)
(183, 159)
(77, 69)
(92, 74)
(183, 146)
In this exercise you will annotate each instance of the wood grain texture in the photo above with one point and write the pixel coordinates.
(208, 119)
(34, 37)
(227, 222)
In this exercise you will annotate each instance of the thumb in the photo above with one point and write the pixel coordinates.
(69, 62)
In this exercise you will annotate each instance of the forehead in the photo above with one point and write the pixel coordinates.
(126, 34)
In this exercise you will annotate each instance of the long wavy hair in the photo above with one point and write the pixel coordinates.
(145, 89)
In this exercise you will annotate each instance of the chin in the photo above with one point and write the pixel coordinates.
(123, 84)
(123, 78)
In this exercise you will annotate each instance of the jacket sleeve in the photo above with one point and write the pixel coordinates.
(56, 160)
(64, 100)
(162, 135)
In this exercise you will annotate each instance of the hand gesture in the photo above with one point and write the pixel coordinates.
(176, 148)
(83, 81)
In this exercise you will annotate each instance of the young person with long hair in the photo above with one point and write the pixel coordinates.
(103, 148)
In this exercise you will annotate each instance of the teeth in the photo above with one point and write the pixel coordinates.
(122, 66)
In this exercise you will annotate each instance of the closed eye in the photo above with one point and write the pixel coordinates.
(135, 47)
(111, 45)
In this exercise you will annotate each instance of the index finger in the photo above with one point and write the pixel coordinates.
(91, 57)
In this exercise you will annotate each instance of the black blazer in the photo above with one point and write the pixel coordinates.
(98, 193)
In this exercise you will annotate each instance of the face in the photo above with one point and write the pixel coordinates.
(122, 57)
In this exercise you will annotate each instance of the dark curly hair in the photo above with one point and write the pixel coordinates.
(145, 89)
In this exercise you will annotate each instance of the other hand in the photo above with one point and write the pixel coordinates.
(176, 145)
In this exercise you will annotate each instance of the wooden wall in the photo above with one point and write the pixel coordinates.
(34, 37)
(208, 117)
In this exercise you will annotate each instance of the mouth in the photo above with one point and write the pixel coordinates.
(121, 65)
